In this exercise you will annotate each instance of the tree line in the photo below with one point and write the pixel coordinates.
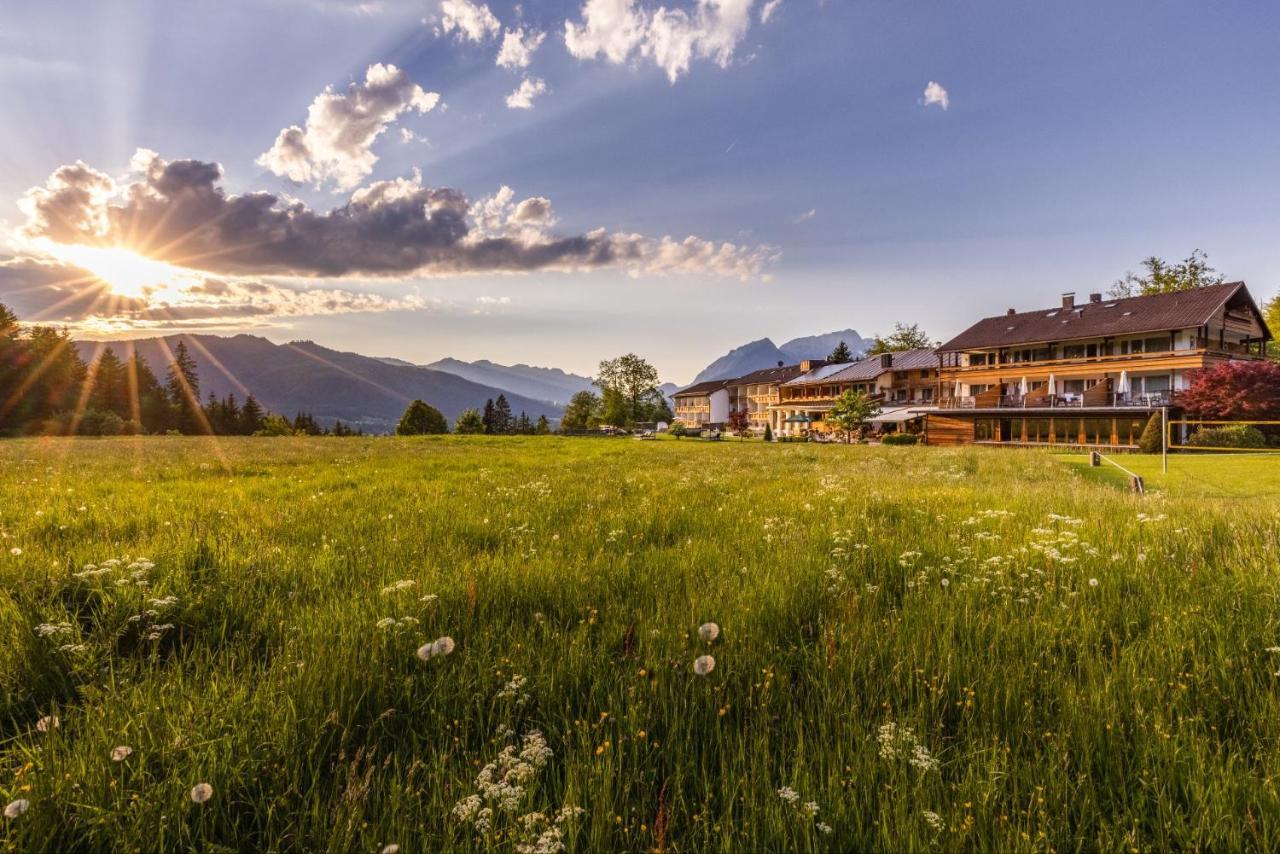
(46, 388)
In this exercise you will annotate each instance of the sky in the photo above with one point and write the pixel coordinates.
(556, 183)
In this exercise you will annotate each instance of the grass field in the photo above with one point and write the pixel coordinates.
(1230, 477)
(917, 648)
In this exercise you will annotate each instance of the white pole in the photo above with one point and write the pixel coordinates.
(1164, 438)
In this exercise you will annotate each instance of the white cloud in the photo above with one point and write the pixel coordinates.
(530, 88)
(336, 144)
(471, 21)
(518, 48)
(934, 94)
(619, 30)
(766, 12)
(806, 216)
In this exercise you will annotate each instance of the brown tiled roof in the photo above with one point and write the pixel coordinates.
(701, 388)
(769, 375)
(1154, 313)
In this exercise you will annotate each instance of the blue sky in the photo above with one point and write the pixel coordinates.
(1077, 139)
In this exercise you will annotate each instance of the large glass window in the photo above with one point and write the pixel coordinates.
(985, 429)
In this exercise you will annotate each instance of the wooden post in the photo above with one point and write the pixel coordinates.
(1137, 484)
(1095, 459)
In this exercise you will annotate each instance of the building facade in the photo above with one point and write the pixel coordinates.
(756, 392)
(703, 405)
(1087, 374)
(904, 383)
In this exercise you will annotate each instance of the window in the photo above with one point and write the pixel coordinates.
(985, 429)
(1157, 345)
(1073, 351)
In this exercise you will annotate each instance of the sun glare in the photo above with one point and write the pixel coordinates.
(127, 273)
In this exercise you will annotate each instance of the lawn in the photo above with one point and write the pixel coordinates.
(1229, 477)
(916, 648)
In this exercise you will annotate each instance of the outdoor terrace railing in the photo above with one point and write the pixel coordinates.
(1058, 401)
(1213, 350)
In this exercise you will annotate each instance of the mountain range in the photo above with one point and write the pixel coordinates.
(303, 376)
(763, 353)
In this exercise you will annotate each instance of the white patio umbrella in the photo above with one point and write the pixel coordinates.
(1122, 386)
(1053, 385)
(1022, 388)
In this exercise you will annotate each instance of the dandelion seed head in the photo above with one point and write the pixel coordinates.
(709, 631)
(121, 753)
(201, 792)
(47, 723)
(703, 664)
(1093, 582)
(15, 551)
(16, 808)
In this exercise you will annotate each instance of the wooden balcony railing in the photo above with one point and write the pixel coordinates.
(1056, 401)
(1203, 350)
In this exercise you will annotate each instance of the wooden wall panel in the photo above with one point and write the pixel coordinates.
(943, 430)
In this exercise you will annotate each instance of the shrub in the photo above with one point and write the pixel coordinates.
(1150, 442)
(768, 432)
(1234, 436)
(900, 439)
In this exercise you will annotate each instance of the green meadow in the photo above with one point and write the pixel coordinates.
(493, 644)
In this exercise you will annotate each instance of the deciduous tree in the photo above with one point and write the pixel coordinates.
(421, 419)
(1161, 277)
(852, 410)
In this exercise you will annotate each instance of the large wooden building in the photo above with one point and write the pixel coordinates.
(904, 383)
(1090, 373)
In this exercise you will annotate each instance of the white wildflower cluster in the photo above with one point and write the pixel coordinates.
(935, 822)
(507, 782)
(53, 630)
(391, 624)
(900, 744)
(806, 811)
(908, 558)
(1147, 519)
(515, 690)
(399, 587)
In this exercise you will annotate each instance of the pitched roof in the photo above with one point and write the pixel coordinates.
(1152, 313)
(819, 374)
(701, 388)
(873, 366)
(768, 375)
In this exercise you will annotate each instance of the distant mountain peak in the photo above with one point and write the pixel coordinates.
(763, 353)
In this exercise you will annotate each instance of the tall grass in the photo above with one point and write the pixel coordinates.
(930, 647)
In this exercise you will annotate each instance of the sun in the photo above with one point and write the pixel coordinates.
(127, 273)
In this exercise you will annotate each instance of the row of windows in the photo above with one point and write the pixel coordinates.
(1089, 431)
(1162, 344)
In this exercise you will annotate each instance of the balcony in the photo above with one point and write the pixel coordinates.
(1123, 362)
(1059, 401)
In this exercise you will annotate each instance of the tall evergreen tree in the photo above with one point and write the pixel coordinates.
(488, 417)
(840, 354)
(543, 427)
(502, 420)
(251, 416)
(153, 404)
(183, 388)
(110, 391)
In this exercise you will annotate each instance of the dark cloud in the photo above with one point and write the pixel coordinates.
(176, 211)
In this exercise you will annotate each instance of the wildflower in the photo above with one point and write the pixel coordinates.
(439, 646)
(810, 808)
(823, 827)
(403, 584)
(121, 753)
(788, 795)
(201, 792)
(16, 808)
(48, 722)
(386, 622)
(390, 848)
(703, 664)
(1093, 582)
(934, 820)
(15, 551)
(708, 632)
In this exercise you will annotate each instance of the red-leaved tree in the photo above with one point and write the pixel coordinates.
(1235, 390)
(738, 421)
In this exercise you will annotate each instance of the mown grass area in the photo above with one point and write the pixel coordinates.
(1229, 477)
(927, 647)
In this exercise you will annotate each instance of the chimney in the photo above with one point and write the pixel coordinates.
(1095, 298)
(804, 366)
(886, 360)
(1011, 312)
(1069, 300)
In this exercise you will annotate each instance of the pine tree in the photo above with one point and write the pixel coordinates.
(251, 416)
(502, 421)
(153, 405)
(840, 354)
(543, 427)
(183, 388)
(111, 386)
(488, 417)
(768, 432)
(523, 425)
